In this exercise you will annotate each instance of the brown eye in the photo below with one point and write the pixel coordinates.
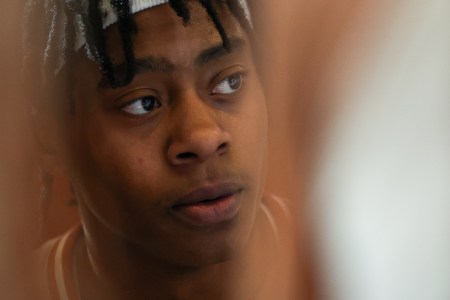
(142, 105)
(229, 85)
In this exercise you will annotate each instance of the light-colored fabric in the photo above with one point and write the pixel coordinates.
(55, 258)
(136, 6)
(110, 17)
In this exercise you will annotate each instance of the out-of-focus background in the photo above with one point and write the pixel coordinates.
(18, 217)
(383, 192)
(367, 128)
(359, 105)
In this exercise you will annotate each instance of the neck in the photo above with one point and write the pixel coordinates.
(109, 267)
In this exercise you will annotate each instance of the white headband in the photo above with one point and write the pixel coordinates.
(135, 6)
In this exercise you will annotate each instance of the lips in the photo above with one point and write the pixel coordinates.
(210, 205)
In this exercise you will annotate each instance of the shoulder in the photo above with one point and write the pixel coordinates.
(54, 266)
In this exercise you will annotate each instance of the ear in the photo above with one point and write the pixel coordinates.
(46, 135)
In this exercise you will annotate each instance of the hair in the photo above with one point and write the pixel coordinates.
(91, 20)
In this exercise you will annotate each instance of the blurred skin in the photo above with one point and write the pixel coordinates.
(301, 40)
(204, 126)
(18, 205)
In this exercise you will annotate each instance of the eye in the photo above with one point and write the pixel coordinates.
(142, 105)
(229, 85)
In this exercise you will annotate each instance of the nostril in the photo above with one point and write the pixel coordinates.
(186, 155)
(198, 152)
(222, 147)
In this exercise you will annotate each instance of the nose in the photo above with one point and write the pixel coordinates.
(197, 134)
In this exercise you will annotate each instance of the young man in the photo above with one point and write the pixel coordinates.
(161, 127)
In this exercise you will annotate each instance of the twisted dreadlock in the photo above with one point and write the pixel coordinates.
(180, 7)
(127, 29)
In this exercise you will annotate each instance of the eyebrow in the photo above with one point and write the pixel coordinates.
(161, 64)
(219, 51)
(147, 64)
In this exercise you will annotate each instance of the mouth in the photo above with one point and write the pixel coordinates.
(210, 205)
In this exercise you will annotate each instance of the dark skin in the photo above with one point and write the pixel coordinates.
(193, 117)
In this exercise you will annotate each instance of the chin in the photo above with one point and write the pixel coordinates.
(211, 246)
(211, 254)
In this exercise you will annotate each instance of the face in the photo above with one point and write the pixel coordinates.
(172, 164)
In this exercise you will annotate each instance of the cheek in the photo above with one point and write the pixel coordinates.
(252, 133)
(113, 166)
(256, 118)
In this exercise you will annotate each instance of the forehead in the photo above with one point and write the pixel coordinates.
(162, 33)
